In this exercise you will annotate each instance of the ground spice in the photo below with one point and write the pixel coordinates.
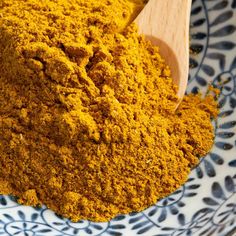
(87, 115)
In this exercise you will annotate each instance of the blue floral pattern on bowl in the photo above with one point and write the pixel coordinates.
(206, 203)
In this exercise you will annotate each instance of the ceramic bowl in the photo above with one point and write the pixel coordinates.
(206, 204)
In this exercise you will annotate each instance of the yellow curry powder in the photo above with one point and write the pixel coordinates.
(87, 117)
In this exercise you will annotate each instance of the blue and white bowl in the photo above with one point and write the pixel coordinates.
(206, 204)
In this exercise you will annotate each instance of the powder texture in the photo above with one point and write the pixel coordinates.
(87, 121)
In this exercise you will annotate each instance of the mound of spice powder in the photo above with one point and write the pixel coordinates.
(87, 120)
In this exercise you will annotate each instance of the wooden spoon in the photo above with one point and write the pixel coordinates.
(166, 24)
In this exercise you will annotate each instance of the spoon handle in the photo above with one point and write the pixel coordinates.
(166, 24)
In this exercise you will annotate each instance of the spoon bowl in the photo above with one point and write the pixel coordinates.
(166, 24)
